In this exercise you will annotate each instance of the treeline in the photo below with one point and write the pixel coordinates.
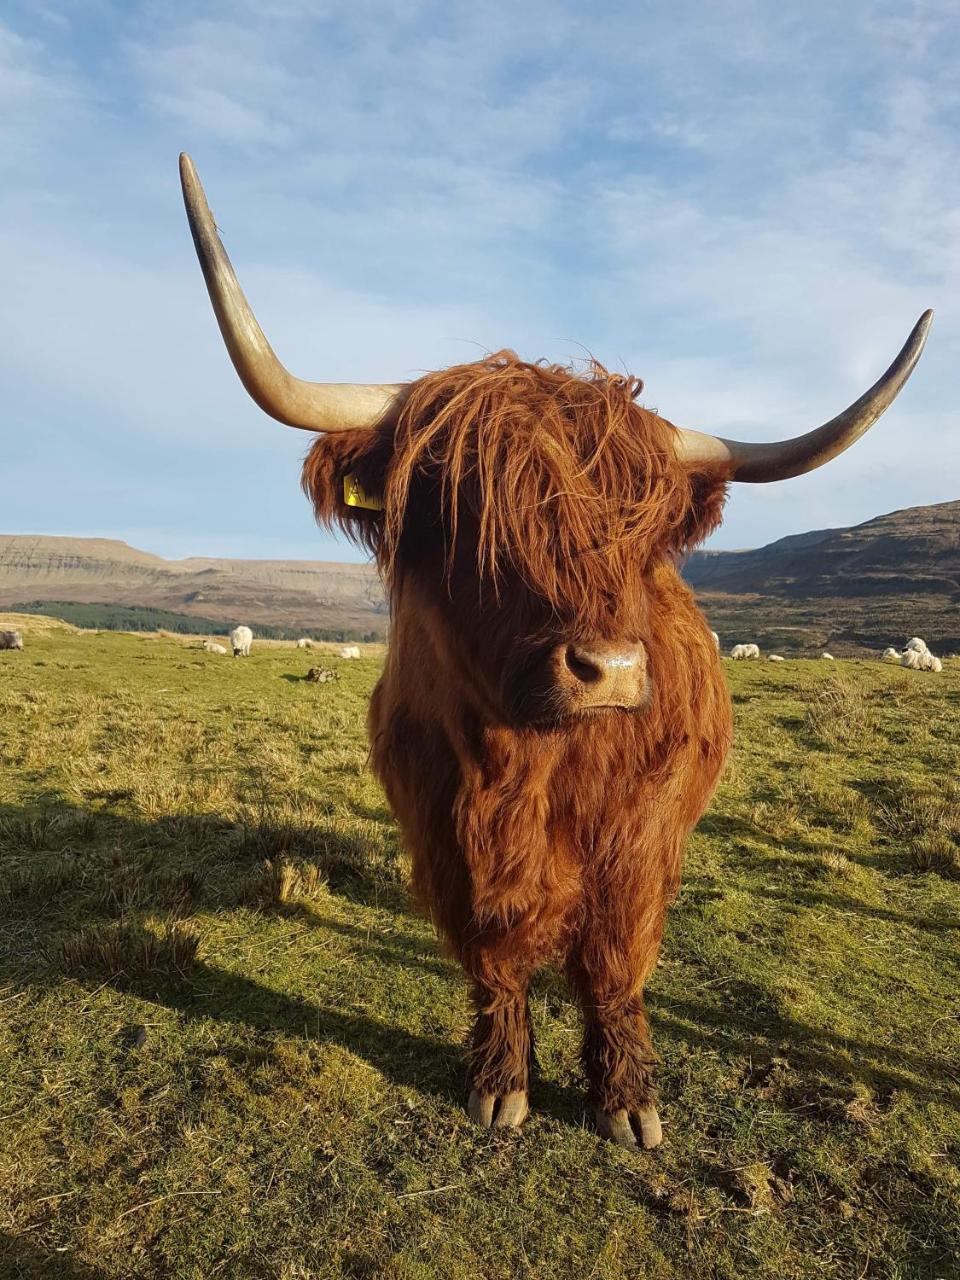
(135, 617)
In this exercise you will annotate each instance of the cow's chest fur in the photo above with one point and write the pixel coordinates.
(531, 830)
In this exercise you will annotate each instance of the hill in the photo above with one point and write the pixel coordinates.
(851, 589)
(304, 595)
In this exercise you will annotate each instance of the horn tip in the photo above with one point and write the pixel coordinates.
(921, 329)
(188, 171)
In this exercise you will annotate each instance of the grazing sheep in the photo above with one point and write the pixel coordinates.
(890, 655)
(741, 651)
(241, 638)
(350, 651)
(304, 643)
(916, 645)
(211, 646)
(775, 657)
(11, 640)
(829, 656)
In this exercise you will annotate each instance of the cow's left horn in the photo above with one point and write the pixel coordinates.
(781, 459)
(315, 406)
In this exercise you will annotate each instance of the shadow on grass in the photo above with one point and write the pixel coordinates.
(743, 833)
(412, 953)
(853, 906)
(221, 851)
(87, 841)
(21, 1260)
(417, 1061)
(754, 1036)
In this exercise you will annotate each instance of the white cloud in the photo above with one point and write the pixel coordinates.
(746, 205)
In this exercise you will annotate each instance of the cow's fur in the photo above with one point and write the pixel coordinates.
(525, 506)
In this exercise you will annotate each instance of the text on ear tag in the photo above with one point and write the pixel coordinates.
(354, 495)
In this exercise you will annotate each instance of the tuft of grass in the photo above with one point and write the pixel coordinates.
(927, 823)
(280, 882)
(132, 954)
(838, 712)
(38, 877)
(936, 851)
(130, 887)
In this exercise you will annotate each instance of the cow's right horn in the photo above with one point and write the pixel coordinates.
(314, 406)
(757, 463)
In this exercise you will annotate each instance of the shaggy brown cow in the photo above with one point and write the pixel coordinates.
(553, 717)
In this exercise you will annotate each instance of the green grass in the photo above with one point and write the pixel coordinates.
(229, 1048)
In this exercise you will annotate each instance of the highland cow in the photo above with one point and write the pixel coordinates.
(552, 717)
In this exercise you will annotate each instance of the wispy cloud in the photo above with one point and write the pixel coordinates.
(746, 205)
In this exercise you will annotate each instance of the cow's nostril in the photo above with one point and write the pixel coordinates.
(581, 665)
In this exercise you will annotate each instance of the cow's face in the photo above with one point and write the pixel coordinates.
(524, 511)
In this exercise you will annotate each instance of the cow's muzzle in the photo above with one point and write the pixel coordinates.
(591, 674)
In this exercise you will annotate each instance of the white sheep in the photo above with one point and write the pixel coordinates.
(741, 651)
(829, 657)
(350, 651)
(890, 655)
(304, 643)
(716, 639)
(775, 657)
(916, 645)
(917, 661)
(211, 646)
(241, 638)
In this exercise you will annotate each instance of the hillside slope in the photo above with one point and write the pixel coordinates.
(866, 586)
(851, 590)
(293, 593)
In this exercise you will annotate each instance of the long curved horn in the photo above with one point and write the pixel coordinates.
(782, 459)
(315, 406)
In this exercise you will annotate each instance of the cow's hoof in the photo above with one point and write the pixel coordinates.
(510, 1114)
(617, 1126)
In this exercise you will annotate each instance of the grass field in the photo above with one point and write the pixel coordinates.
(229, 1048)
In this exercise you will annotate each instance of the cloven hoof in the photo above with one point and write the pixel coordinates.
(616, 1125)
(510, 1114)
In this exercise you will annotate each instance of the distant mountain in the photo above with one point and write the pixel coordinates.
(852, 589)
(302, 594)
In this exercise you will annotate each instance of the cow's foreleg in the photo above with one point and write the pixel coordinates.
(608, 975)
(501, 1045)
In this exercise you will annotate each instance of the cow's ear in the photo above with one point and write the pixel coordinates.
(704, 513)
(344, 476)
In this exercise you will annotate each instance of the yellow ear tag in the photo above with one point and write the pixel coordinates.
(354, 495)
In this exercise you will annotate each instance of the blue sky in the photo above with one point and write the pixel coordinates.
(745, 203)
